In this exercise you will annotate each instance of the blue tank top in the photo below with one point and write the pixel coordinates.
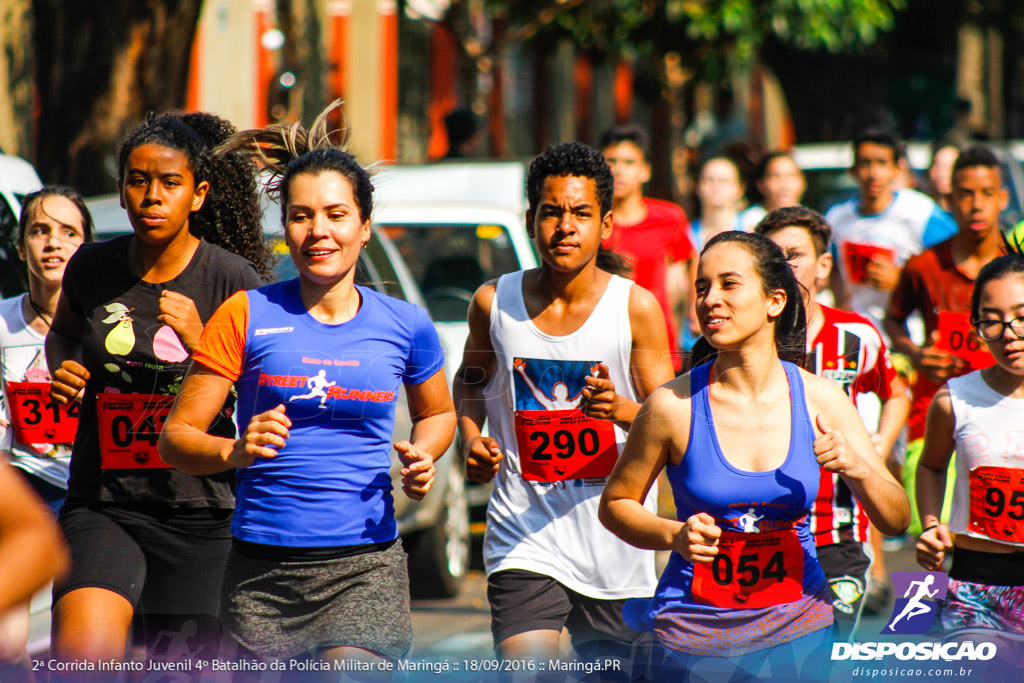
(743, 504)
(329, 486)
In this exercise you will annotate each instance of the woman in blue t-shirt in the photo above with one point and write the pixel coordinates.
(316, 567)
(744, 580)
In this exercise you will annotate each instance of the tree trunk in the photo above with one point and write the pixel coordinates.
(101, 66)
(16, 77)
(301, 23)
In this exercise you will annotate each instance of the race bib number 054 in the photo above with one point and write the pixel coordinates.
(130, 427)
(36, 418)
(752, 571)
(997, 503)
(555, 445)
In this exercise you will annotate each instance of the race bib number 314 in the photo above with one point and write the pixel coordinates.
(752, 571)
(555, 445)
(130, 427)
(36, 418)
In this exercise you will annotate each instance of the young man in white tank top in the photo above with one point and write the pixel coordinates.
(558, 362)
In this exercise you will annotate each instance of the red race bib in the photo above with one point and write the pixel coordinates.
(752, 571)
(858, 256)
(555, 445)
(130, 427)
(37, 419)
(997, 504)
(957, 336)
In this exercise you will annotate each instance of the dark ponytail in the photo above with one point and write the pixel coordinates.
(775, 273)
(230, 216)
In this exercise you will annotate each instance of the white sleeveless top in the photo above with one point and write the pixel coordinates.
(989, 432)
(552, 528)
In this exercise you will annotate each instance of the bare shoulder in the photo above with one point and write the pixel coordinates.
(669, 403)
(479, 314)
(642, 302)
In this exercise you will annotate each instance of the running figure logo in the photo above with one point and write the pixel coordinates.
(747, 522)
(915, 611)
(317, 388)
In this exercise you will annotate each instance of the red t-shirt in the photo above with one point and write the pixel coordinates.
(930, 283)
(649, 246)
(849, 351)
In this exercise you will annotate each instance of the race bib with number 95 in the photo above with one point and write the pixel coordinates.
(997, 504)
(752, 570)
(130, 427)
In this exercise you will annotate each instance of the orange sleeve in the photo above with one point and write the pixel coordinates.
(222, 344)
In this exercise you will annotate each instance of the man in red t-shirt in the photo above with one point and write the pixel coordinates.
(652, 235)
(847, 349)
(938, 283)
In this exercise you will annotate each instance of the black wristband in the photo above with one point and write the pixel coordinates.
(933, 526)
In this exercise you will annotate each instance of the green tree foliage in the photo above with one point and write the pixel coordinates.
(710, 33)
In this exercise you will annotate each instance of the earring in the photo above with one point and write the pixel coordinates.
(364, 243)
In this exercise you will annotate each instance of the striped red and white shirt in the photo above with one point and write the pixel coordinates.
(850, 351)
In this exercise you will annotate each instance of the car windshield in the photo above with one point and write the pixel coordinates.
(449, 261)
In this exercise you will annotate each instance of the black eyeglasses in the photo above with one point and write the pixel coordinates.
(991, 330)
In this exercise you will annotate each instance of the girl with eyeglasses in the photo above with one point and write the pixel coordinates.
(979, 415)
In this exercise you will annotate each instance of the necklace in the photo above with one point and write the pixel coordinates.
(41, 312)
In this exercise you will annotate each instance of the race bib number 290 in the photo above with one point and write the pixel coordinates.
(555, 445)
(130, 427)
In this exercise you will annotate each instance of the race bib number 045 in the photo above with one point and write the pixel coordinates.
(130, 427)
(997, 504)
(752, 571)
(35, 418)
(555, 445)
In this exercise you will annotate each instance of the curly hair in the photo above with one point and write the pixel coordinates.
(775, 273)
(570, 159)
(287, 150)
(231, 216)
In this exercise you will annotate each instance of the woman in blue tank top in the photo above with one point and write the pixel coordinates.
(742, 437)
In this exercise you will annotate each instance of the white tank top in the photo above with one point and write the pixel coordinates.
(989, 432)
(551, 528)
